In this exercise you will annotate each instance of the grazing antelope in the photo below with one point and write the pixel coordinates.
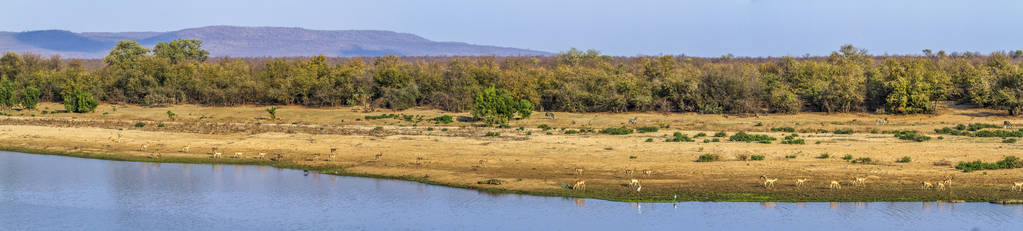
(217, 155)
(768, 182)
(800, 182)
(881, 121)
(860, 181)
(633, 120)
(648, 172)
(633, 182)
(262, 155)
(237, 155)
(579, 185)
(579, 171)
(184, 149)
(927, 185)
(941, 186)
(1017, 186)
(378, 155)
(1007, 124)
(548, 115)
(835, 185)
(628, 172)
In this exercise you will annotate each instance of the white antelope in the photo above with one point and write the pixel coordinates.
(217, 155)
(184, 149)
(927, 185)
(237, 155)
(262, 155)
(860, 181)
(579, 185)
(835, 185)
(1017, 186)
(801, 181)
(768, 182)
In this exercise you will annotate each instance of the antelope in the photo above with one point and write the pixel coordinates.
(262, 155)
(330, 157)
(648, 172)
(633, 182)
(1017, 186)
(217, 155)
(579, 171)
(579, 184)
(835, 185)
(633, 120)
(948, 181)
(881, 121)
(860, 181)
(184, 149)
(333, 150)
(927, 185)
(483, 163)
(378, 155)
(237, 155)
(941, 186)
(800, 182)
(628, 172)
(549, 115)
(143, 147)
(768, 182)
(1006, 124)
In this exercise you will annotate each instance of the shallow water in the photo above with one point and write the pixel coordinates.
(39, 192)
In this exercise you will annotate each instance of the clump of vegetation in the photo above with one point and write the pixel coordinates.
(904, 159)
(679, 137)
(273, 112)
(646, 129)
(701, 134)
(633, 157)
(744, 137)
(756, 157)
(648, 140)
(742, 156)
(492, 134)
(862, 160)
(571, 131)
(791, 139)
(170, 115)
(1010, 162)
(720, 134)
(496, 106)
(79, 101)
(616, 131)
(382, 116)
(708, 158)
(911, 135)
(444, 119)
(1009, 140)
(790, 156)
(715, 140)
(783, 129)
(140, 124)
(844, 131)
(544, 127)
(160, 125)
(30, 97)
(847, 157)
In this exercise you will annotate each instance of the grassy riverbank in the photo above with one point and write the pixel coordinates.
(542, 156)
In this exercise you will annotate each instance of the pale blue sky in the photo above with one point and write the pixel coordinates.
(619, 27)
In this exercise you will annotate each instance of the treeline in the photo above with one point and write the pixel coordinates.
(577, 81)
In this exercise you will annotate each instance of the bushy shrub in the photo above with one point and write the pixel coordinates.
(783, 129)
(756, 157)
(862, 160)
(140, 124)
(824, 156)
(30, 97)
(544, 127)
(720, 134)
(698, 135)
(616, 131)
(646, 129)
(492, 134)
(444, 119)
(847, 157)
(905, 159)
(844, 131)
(708, 158)
(679, 137)
(744, 137)
(1009, 162)
(79, 101)
(911, 135)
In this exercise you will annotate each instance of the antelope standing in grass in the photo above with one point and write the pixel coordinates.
(835, 185)
(237, 155)
(579, 185)
(941, 186)
(948, 181)
(648, 172)
(927, 185)
(378, 155)
(633, 120)
(483, 163)
(881, 121)
(860, 181)
(1006, 124)
(184, 149)
(1017, 186)
(579, 171)
(628, 172)
(800, 182)
(143, 147)
(217, 155)
(548, 115)
(633, 182)
(262, 155)
(768, 182)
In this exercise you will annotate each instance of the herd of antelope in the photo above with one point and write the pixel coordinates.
(216, 154)
(768, 182)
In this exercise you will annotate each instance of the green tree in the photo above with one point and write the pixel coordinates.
(30, 97)
(181, 50)
(1008, 95)
(8, 96)
(79, 101)
(126, 54)
(496, 106)
(11, 65)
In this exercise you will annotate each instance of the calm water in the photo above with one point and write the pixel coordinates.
(39, 192)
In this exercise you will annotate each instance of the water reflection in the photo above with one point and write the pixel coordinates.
(108, 195)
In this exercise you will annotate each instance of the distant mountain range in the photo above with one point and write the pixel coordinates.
(254, 42)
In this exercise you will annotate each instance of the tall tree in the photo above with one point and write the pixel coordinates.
(181, 50)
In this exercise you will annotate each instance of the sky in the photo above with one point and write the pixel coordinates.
(616, 27)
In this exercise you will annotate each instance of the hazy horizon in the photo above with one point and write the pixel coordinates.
(738, 27)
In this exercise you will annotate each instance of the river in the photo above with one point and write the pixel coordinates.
(43, 192)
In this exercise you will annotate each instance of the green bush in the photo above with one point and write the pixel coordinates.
(911, 135)
(743, 137)
(140, 124)
(844, 131)
(492, 134)
(698, 135)
(847, 157)
(679, 137)
(715, 140)
(824, 156)
(79, 101)
(544, 127)
(756, 157)
(571, 131)
(720, 134)
(1009, 140)
(648, 140)
(444, 119)
(616, 131)
(708, 158)
(783, 129)
(495, 106)
(30, 97)
(646, 129)
(1009, 162)
(790, 156)
(905, 159)
(862, 160)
